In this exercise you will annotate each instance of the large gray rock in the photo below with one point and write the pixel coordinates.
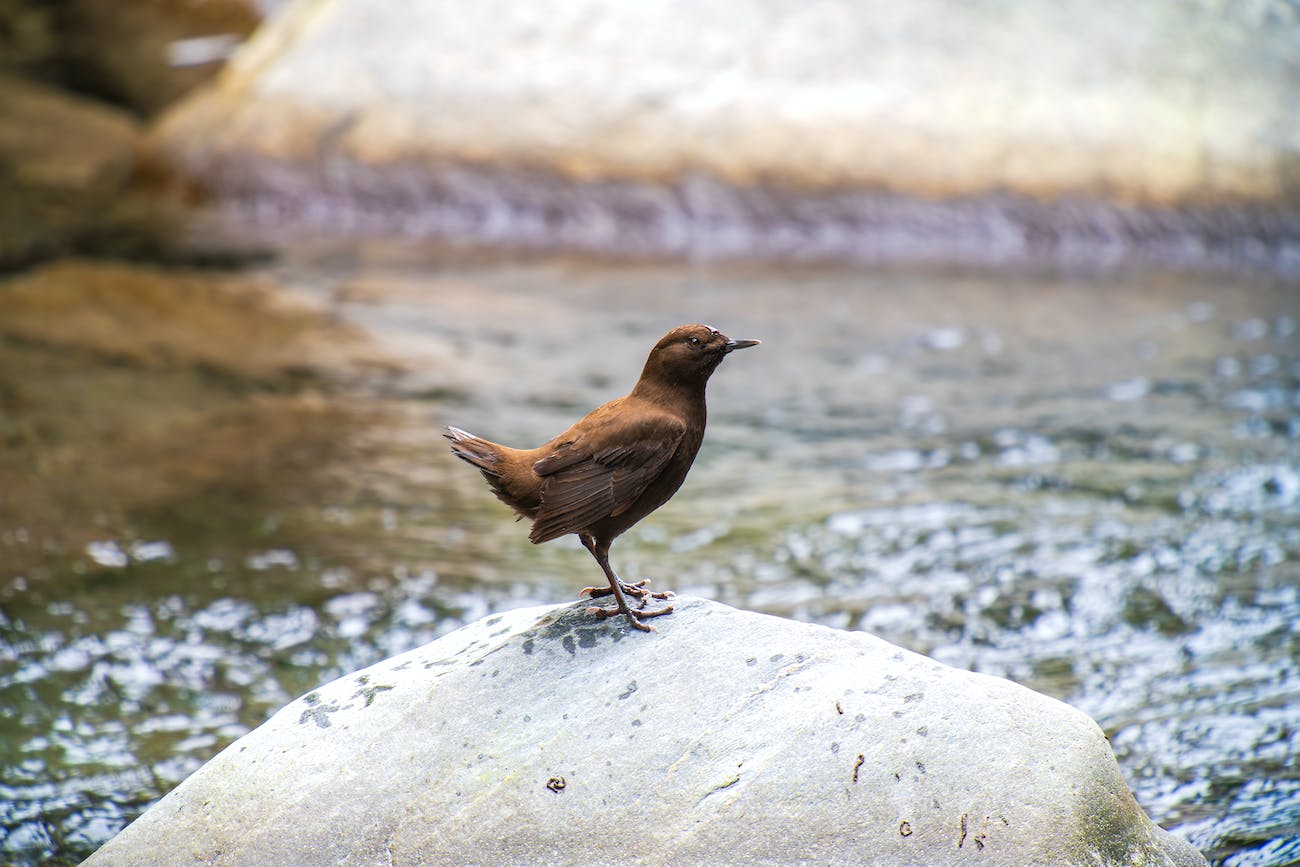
(781, 127)
(541, 736)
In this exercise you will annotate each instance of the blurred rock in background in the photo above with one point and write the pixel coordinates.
(64, 159)
(78, 81)
(1077, 133)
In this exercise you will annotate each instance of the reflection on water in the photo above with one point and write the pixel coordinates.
(1089, 487)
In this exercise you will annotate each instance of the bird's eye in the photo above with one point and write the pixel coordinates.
(694, 341)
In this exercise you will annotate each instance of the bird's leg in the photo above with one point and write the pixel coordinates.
(636, 589)
(616, 588)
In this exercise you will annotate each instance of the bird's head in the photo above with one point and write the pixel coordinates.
(689, 354)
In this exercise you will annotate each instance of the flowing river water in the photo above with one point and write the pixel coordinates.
(1089, 485)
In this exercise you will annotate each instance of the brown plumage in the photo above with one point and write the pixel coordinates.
(618, 464)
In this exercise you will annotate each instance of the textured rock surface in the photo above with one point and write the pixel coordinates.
(541, 736)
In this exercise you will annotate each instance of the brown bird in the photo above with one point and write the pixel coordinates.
(618, 464)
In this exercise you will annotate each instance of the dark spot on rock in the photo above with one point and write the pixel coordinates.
(905, 828)
(569, 645)
(528, 647)
(916, 696)
(317, 712)
(528, 717)
(636, 722)
(920, 766)
(777, 657)
(838, 708)
(631, 688)
(835, 747)
(587, 637)
(753, 660)
(922, 731)
(567, 621)
(493, 620)
(368, 692)
(857, 765)
(556, 784)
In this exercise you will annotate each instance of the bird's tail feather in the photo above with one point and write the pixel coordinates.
(474, 450)
(493, 461)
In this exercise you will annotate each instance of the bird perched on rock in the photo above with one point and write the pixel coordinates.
(618, 464)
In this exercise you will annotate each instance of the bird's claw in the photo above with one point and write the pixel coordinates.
(633, 617)
(636, 590)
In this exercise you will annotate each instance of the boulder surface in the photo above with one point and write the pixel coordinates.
(543, 736)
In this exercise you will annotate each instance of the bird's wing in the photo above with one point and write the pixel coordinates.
(598, 475)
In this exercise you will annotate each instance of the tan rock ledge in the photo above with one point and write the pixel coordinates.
(541, 736)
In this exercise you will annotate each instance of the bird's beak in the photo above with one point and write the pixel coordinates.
(733, 345)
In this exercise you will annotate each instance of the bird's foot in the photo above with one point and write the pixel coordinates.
(637, 590)
(633, 617)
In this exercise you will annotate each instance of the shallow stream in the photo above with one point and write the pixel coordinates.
(1088, 485)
